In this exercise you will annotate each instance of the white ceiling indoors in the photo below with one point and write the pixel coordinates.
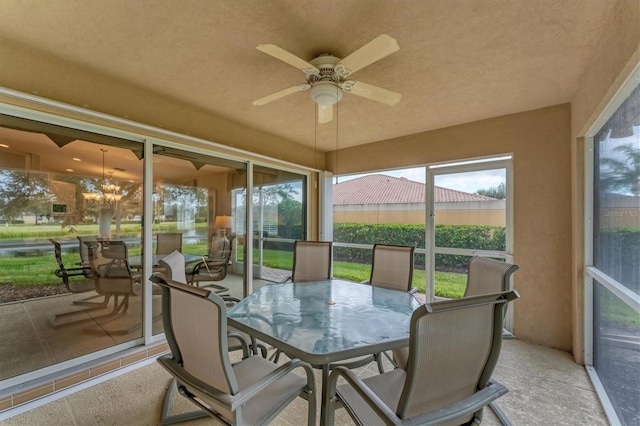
(459, 61)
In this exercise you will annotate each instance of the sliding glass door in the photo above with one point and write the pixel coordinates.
(279, 210)
(61, 188)
(193, 208)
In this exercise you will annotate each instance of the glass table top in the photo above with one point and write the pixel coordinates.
(325, 321)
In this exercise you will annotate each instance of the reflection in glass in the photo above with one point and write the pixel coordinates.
(44, 172)
(193, 199)
(279, 218)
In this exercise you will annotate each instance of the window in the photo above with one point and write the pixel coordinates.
(613, 256)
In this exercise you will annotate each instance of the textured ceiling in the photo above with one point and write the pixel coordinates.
(459, 61)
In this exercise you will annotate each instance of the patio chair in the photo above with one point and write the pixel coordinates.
(65, 273)
(168, 242)
(213, 267)
(73, 286)
(174, 265)
(453, 350)
(488, 276)
(113, 277)
(311, 261)
(392, 267)
(83, 249)
(253, 391)
(484, 276)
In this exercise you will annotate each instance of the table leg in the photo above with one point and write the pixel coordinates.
(323, 407)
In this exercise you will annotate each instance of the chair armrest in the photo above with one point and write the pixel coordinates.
(243, 342)
(249, 392)
(71, 272)
(381, 409)
(413, 290)
(183, 377)
(462, 408)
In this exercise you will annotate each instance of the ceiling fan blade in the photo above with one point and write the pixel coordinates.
(376, 49)
(325, 113)
(375, 93)
(289, 58)
(280, 94)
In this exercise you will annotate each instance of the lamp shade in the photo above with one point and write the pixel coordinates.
(223, 222)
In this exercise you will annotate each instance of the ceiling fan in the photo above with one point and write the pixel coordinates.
(328, 76)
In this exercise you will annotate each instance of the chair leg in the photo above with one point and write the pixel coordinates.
(119, 310)
(276, 356)
(378, 358)
(91, 306)
(504, 420)
(98, 305)
(54, 324)
(166, 419)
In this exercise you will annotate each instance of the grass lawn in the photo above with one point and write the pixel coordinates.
(39, 270)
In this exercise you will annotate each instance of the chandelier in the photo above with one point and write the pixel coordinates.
(110, 191)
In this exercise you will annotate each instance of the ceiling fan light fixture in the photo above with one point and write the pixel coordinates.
(325, 93)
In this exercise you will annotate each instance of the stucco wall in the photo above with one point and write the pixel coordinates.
(540, 144)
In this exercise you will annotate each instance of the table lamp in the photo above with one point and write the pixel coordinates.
(222, 223)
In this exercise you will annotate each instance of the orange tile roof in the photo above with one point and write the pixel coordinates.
(383, 189)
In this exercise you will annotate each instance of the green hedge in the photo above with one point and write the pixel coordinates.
(455, 236)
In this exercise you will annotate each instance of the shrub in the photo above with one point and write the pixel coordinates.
(479, 237)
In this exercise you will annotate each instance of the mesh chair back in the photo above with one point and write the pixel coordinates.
(311, 261)
(200, 346)
(84, 248)
(220, 248)
(392, 267)
(488, 276)
(168, 242)
(454, 347)
(174, 265)
(114, 276)
(58, 254)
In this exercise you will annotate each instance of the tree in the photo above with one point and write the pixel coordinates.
(499, 192)
(622, 174)
(275, 194)
(290, 219)
(189, 198)
(23, 193)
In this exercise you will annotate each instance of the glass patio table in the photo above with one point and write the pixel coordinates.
(323, 322)
(135, 261)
